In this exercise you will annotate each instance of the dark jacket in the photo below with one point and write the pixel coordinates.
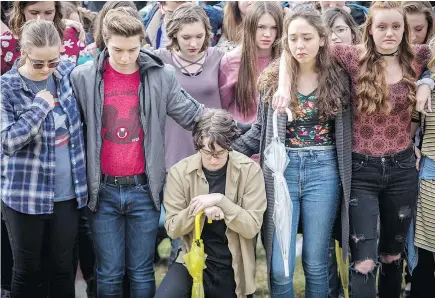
(159, 95)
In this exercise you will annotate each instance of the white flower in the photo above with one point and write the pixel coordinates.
(68, 43)
(5, 44)
(8, 56)
(6, 37)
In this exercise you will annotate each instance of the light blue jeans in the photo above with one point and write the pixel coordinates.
(314, 185)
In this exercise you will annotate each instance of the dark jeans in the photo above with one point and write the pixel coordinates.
(124, 231)
(218, 282)
(384, 187)
(35, 237)
(423, 281)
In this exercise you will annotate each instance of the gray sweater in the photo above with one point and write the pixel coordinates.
(260, 136)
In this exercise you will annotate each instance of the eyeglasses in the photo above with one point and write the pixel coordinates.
(209, 154)
(339, 30)
(38, 64)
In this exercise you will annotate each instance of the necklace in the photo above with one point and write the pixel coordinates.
(184, 67)
(388, 55)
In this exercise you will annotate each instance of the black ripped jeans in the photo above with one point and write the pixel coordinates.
(384, 187)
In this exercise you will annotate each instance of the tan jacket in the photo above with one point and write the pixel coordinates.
(244, 204)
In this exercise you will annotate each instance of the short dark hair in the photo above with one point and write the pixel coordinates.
(218, 126)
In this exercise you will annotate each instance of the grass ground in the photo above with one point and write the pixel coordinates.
(261, 279)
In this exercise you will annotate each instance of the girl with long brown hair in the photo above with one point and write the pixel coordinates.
(22, 11)
(241, 67)
(318, 143)
(383, 72)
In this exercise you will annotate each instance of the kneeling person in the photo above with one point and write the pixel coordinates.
(229, 187)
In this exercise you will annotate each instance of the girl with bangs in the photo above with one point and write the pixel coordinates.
(318, 143)
(383, 71)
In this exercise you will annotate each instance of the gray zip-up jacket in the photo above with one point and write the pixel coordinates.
(159, 95)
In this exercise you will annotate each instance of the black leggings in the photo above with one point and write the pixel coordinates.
(218, 282)
(32, 238)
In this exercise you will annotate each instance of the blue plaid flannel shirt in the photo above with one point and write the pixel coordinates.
(27, 143)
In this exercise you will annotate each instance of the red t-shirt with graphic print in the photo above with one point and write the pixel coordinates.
(122, 153)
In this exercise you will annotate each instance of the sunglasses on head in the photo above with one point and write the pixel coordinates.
(38, 64)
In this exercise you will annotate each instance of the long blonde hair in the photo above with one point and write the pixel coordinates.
(372, 88)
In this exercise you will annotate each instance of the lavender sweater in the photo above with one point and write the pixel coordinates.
(205, 89)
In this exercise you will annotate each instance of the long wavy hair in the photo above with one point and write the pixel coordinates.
(372, 88)
(330, 91)
(245, 91)
(17, 18)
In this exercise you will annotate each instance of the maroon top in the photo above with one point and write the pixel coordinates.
(377, 134)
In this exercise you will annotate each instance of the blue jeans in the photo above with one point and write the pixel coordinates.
(124, 230)
(314, 185)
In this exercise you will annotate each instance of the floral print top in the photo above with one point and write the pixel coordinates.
(307, 130)
(10, 49)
